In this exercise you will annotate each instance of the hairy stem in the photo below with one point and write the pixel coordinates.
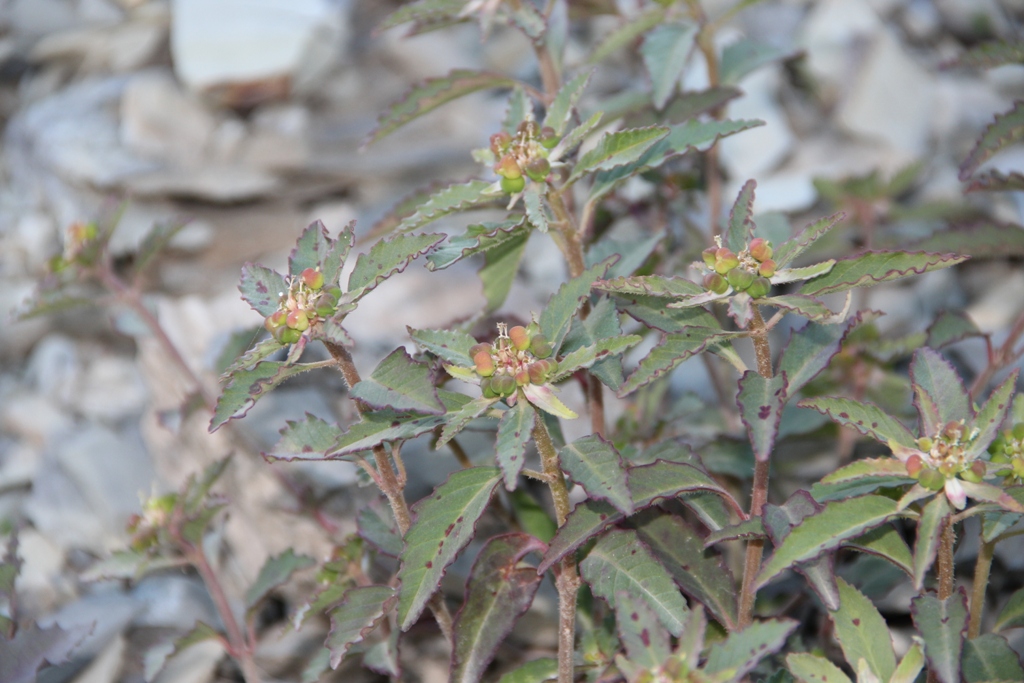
(945, 562)
(759, 494)
(567, 580)
(981, 570)
(388, 480)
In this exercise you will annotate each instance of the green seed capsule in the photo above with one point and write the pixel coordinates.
(540, 347)
(513, 185)
(714, 282)
(538, 169)
(932, 479)
(289, 335)
(740, 278)
(759, 287)
(1018, 431)
(486, 389)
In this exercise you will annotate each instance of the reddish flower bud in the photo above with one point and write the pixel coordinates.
(523, 378)
(520, 337)
(538, 169)
(710, 257)
(725, 261)
(477, 348)
(767, 268)
(313, 278)
(508, 167)
(528, 128)
(914, 464)
(297, 320)
(548, 137)
(978, 468)
(538, 372)
(714, 282)
(484, 363)
(760, 249)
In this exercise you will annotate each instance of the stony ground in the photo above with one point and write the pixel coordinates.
(107, 100)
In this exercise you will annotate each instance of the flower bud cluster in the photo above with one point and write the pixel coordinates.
(305, 304)
(747, 271)
(523, 156)
(1008, 451)
(519, 356)
(156, 514)
(77, 239)
(944, 457)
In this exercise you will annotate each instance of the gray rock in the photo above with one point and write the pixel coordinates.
(159, 120)
(110, 389)
(171, 601)
(226, 43)
(761, 149)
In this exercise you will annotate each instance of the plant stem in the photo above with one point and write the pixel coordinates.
(981, 570)
(1000, 358)
(945, 562)
(389, 481)
(759, 494)
(567, 580)
(238, 646)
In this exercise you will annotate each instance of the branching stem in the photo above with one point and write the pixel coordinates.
(759, 494)
(567, 580)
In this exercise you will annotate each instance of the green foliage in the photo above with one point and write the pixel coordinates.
(862, 633)
(943, 625)
(359, 611)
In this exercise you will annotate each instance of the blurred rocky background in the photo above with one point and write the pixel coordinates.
(245, 118)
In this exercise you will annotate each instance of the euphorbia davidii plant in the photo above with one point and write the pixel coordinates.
(664, 486)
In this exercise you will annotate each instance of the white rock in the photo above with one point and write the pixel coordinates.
(54, 368)
(892, 99)
(217, 43)
(921, 19)
(118, 48)
(174, 602)
(197, 664)
(99, 11)
(34, 418)
(32, 18)
(227, 184)
(758, 150)
(991, 313)
(975, 18)
(37, 237)
(110, 389)
(829, 35)
(159, 120)
(40, 581)
(106, 666)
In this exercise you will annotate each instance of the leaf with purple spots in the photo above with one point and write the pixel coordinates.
(737, 655)
(305, 439)
(646, 643)
(866, 418)
(248, 386)
(514, 432)
(262, 288)
(761, 401)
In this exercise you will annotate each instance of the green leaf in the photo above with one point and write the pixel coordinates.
(804, 306)
(315, 249)
(262, 288)
(536, 212)
(740, 652)
(929, 528)
(991, 416)
(740, 228)
(992, 54)
(650, 285)
(806, 273)
(809, 668)
(156, 239)
(617, 149)
(431, 94)
(633, 253)
(450, 345)
(887, 543)
(950, 327)
(647, 485)
(910, 666)
(939, 394)
(594, 464)
(943, 625)
(1007, 129)
(990, 658)
(646, 645)
(458, 420)
(536, 671)
(574, 137)
(275, 573)
(529, 20)
(700, 572)
(838, 522)
(627, 32)
(448, 200)
(873, 267)
(866, 418)
(401, 384)
(376, 525)
(557, 316)
(445, 523)
(670, 353)
(378, 426)
(157, 657)
(990, 239)
(779, 522)
(245, 387)
(745, 56)
(425, 11)
(260, 352)
(786, 252)
(499, 591)
(478, 239)
(665, 50)
(514, 432)
(761, 401)
(586, 356)
(620, 562)
(681, 138)
(544, 398)
(305, 439)
(359, 612)
(810, 350)
(747, 529)
(860, 477)
(382, 657)
(863, 633)
(384, 259)
(1012, 615)
(518, 104)
(500, 268)
(559, 114)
